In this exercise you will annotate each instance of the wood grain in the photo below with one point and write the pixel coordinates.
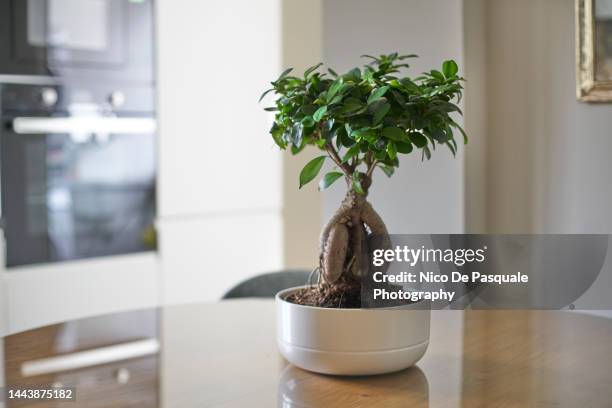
(95, 386)
(224, 355)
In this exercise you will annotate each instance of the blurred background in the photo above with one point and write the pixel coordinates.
(137, 169)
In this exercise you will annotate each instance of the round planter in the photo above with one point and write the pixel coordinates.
(351, 341)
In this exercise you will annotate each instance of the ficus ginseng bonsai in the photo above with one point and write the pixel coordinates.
(362, 120)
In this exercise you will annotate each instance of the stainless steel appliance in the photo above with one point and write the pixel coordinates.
(101, 40)
(77, 142)
(77, 181)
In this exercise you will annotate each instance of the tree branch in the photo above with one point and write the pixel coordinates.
(371, 168)
(336, 158)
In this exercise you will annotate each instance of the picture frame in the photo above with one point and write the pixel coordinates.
(591, 85)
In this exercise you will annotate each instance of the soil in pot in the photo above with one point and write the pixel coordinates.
(342, 294)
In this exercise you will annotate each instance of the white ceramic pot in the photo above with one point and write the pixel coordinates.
(351, 341)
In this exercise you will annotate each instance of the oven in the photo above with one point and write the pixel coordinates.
(77, 175)
(103, 40)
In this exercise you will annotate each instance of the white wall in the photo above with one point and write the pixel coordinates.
(475, 110)
(548, 164)
(214, 59)
(302, 209)
(220, 197)
(547, 155)
(573, 191)
(422, 197)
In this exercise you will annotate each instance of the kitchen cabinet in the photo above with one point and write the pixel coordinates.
(220, 174)
(214, 60)
(39, 295)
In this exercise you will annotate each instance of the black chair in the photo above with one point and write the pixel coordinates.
(268, 284)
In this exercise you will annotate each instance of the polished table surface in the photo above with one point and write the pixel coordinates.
(224, 355)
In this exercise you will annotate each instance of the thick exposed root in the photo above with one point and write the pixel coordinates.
(359, 253)
(373, 220)
(356, 241)
(345, 248)
(379, 238)
(345, 242)
(334, 253)
(365, 253)
(339, 217)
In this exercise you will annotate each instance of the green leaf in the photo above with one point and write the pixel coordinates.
(398, 97)
(284, 74)
(404, 147)
(418, 139)
(335, 100)
(311, 169)
(380, 155)
(369, 135)
(327, 130)
(296, 149)
(357, 183)
(352, 152)
(426, 153)
(354, 74)
(452, 148)
(312, 69)
(308, 121)
(265, 93)
(377, 94)
(342, 138)
(332, 72)
(349, 130)
(309, 109)
(296, 134)
(457, 126)
(439, 135)
(450, 68)
(318, 115)
(380, 113)
(388, 170)
(369, 56)
(368, 75)
(392, 150)
(277, 133)
(351, 104)
(329, 179)
(394, 133)
(437, 75)
(334, 88)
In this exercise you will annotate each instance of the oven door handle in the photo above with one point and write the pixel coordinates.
(38, 125)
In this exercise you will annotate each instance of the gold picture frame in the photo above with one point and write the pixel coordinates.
(588, 89)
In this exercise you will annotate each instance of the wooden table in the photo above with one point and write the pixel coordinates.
(225, 355)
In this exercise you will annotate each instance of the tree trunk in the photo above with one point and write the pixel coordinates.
(348, 239)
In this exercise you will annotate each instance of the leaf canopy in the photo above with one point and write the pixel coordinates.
(369, 116)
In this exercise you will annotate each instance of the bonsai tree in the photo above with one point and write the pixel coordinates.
(361, 121)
